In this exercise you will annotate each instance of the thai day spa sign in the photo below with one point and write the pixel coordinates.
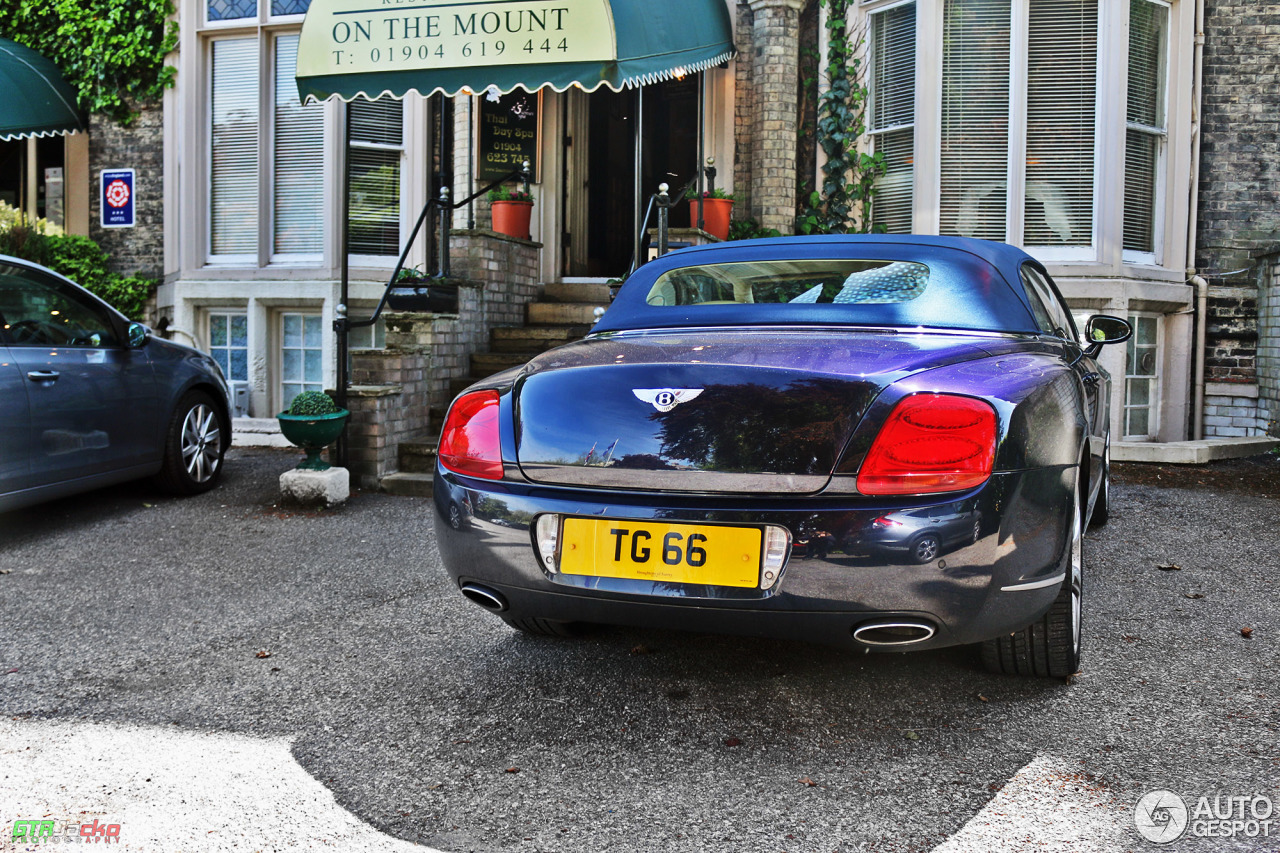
(508, 135)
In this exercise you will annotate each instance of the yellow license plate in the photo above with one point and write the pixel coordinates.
(674, 553)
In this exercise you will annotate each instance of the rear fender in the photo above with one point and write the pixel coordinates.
(1038, 401)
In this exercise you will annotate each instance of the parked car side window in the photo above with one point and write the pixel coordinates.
(37, 310)
(1051, 314)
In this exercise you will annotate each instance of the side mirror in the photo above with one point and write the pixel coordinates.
(138, 335)
(1102, 329)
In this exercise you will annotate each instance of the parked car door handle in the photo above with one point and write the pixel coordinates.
(42, 375)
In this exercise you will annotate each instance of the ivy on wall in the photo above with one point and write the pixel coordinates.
(843, 201)
(111, 51)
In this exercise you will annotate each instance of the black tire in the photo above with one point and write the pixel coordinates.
(925, 549)
(1050, 646)
(1102, 504)
(539, 627)
(195, 442)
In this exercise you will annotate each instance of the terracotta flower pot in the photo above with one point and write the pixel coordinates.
(715, 215)
(512, 218)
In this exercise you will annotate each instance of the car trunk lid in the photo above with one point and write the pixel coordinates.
(764, 411)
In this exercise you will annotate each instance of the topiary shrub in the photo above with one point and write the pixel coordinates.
(312, 403)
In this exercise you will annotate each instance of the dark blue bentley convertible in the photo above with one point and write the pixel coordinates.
(756, 433)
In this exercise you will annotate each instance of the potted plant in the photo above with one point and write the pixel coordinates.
(313, 422)
(512, 208)
(412, 290)
(717, 205)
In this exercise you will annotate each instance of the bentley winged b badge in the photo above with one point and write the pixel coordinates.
(666, 399)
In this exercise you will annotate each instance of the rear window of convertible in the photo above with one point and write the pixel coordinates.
(774, 282)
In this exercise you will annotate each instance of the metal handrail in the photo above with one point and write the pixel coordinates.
(343, 324)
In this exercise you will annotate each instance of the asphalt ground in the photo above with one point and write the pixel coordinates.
(432, 722)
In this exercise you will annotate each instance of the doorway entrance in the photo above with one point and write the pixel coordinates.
(600, 199)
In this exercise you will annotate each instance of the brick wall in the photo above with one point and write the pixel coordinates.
(1269, 344)
(1239, 203)
(506, 266)
(1231, 333)
(140, 147)
(377, 411)
(743, 115)
(396, 388)
(774, 76)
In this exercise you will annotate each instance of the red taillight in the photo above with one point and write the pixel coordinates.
(931, 443)
(886, 521)
(471, 442)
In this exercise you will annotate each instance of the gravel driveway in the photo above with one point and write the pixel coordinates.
(432, 722)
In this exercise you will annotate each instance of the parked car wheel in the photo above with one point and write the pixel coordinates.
(196, 441)
(540, 627)
(455, 516)
(1102, 505)
(977, 531)
(925, 549)
(1049, 646)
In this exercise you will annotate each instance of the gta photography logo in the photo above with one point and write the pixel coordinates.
(1163, 816)
(45, 831)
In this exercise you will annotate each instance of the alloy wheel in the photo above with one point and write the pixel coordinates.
(201, 443)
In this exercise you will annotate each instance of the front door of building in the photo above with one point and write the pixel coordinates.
(600, 168)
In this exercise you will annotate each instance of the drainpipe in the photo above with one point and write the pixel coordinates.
(1197, 409)
(1197, 281)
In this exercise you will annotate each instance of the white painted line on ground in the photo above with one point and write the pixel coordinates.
(173, 791)
(1047, 805)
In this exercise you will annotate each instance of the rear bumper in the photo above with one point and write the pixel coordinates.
(821, 598)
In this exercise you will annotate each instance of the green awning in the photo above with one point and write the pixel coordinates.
(377, 47)
(37, 101)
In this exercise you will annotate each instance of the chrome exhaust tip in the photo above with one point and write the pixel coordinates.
(489, 599)
(897, 633)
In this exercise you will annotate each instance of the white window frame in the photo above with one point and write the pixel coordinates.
(278, 349)
(1016, 171)
(402, 148)
(265, 256)
(1106, 255)
(209, 315)
(240, 259)
(268, 202)
(874, 133)
(1160, 170)
(1155, 401)
(1021, 83)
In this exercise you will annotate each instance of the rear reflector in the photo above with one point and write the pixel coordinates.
(931, 443)
(471, 442)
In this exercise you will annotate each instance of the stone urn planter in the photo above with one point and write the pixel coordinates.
(313, 424)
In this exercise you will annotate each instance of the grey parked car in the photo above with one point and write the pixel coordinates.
(89, 399)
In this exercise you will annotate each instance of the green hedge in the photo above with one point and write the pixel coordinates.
(81, 260)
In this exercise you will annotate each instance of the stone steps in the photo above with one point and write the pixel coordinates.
(488, 363)
(565, 313)
(410, 485)
(596, 293)
(419, 457)
(562, 313)
(535, 339)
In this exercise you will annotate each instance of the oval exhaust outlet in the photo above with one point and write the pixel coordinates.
(489, 599)
(893, 633)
